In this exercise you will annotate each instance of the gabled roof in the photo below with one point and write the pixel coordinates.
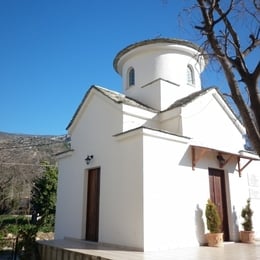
(112, 95)
(122, 99)
(190, 98)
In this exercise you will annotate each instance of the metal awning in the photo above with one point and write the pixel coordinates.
(223, 157)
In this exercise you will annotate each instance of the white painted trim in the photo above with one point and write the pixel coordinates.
(152, 132)
(64, 155)
(229, 112)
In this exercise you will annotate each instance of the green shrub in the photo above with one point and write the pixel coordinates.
(11, 224)
(213, 217)
(47, 224)
(11, 219)
(43, 194)
(20, 227)
(247, 214)
(27, 247)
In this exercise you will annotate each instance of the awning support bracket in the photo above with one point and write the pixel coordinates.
(199, 156)
(240, 169)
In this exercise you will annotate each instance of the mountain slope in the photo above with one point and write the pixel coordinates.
(20, 163)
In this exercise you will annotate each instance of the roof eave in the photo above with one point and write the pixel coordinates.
(154, 41)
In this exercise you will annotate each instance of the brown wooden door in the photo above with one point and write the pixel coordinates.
(218, 196)
(92, 224)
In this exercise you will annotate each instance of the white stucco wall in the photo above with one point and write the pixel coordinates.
(165, 193)
(206, 121)
(171, 121)
(92, 135)
(242, 188)
(121, 221)
(69, 203)
(251, 175)
(175, 196)
(134, 117)
(120, 159)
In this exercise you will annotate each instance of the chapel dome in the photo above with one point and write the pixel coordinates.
(159, 71)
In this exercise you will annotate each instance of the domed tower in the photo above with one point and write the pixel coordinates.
(159, 71)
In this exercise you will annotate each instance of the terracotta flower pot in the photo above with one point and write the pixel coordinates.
(215, 239)
(247, 236)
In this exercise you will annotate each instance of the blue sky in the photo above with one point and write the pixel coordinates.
(52, 51)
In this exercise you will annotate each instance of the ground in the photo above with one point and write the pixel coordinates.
(8, 252)
(45, 236)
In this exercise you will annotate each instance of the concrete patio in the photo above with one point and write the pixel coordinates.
(69, 249)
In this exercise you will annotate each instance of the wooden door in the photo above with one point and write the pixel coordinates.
(92, 222)
(218, 196)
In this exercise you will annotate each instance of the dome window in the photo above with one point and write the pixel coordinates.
(131, 77)
(190, 75)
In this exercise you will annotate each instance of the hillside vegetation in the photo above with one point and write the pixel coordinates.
(21, 158)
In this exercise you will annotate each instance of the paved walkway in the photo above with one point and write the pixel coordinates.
(230, 251)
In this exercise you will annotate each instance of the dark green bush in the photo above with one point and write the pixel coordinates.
(27, 247)
(11, 224)
(247, 214)
(11, 220)
(213, 217)
(47, 224)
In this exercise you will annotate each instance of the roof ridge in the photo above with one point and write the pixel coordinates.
(122, 98)
(187, 99)
(115, 96)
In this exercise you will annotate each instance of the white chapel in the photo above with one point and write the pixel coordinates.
(144, 162)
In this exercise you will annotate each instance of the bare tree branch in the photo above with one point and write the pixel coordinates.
(255, 43)
(257, 4)
(223, 40)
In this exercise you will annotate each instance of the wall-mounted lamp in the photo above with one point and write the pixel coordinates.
(89, 158)
(221, 160)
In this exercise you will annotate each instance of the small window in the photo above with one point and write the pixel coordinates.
(190, 75)
(131, 77)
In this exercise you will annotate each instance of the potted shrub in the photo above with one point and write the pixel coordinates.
(215, 236)
(247, 235)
